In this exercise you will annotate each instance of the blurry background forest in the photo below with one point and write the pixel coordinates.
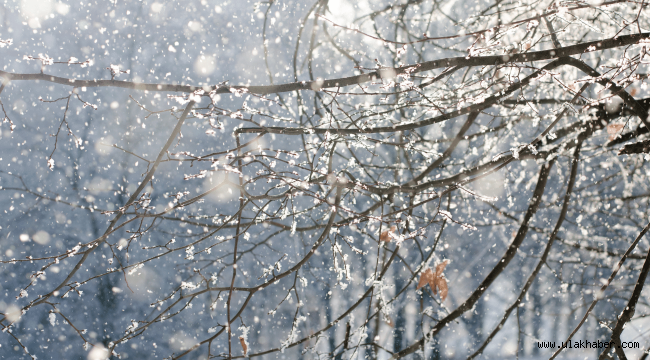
(329, 179)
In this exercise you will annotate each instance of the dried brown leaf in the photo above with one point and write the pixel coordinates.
(613, 130)
(385, 236)
(441, 267)
(441, 284)
(243, 344)
(436, 280)
(426, 278)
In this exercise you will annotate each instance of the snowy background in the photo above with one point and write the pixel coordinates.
(59, 191)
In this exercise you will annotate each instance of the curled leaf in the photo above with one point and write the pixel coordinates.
(441, 284)
(386, 235)
(613, 130)
(243, 344)
(426, 278)
(441, 267)
(436, 281)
